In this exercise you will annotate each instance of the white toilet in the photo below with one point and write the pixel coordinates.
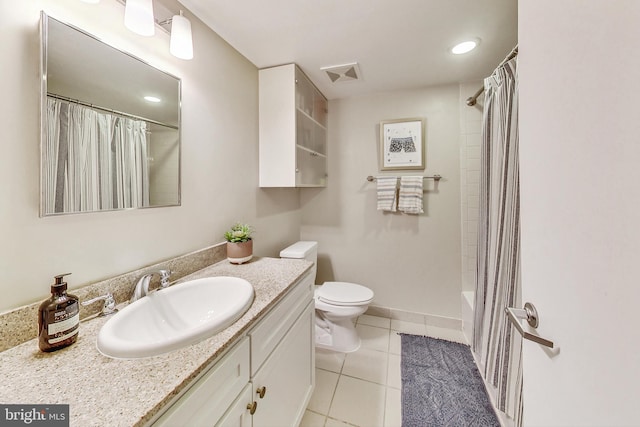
(338, 304)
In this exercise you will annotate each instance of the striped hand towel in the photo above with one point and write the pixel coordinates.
(411, 195)
(387, 193)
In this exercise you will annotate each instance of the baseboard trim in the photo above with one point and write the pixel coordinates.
(415, 317)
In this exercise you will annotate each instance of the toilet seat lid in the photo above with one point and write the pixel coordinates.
(343, 293)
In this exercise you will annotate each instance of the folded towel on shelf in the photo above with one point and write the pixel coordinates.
(411, 195)
(387, 193)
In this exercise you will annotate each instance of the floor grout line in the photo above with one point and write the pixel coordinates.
(333, 395)
(386, 409)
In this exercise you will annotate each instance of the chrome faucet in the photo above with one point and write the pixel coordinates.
(142, 286)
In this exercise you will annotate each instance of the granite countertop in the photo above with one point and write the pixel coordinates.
(104, 391)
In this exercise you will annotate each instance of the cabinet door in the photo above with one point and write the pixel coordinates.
(211, 395)
(238, 414)
(288, 376)
(310, 134)
(271, 330)
(305, 93)
(311, 168)
(309, 99)
(320, 108)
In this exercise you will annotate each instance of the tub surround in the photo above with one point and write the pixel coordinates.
(468, 301)
(101, 390)
(21, 324)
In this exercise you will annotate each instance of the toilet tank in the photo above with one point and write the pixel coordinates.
(303, 250)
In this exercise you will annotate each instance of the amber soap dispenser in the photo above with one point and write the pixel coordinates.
(59, 318)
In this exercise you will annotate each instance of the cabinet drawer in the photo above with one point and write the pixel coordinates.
(211, 395)
(278, 321)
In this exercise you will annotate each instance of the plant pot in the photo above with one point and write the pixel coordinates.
(238, 253)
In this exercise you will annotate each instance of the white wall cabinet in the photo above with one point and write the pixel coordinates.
(265, 380)
(293, 129)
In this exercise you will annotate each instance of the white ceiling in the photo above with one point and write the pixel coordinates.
(401, 44)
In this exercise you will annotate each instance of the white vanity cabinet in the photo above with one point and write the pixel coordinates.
(213, 393)
(282, 360)
(293, 129)
(239, 414)
(265, 380)
(284, 384)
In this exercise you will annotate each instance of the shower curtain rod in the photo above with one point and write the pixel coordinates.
(471, 101)
(108, 110)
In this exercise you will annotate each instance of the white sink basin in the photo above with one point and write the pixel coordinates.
(175, 317)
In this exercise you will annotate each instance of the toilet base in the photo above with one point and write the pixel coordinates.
(336, 335)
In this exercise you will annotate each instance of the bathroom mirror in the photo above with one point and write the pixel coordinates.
(110, 127)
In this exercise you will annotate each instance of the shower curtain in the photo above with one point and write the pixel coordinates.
(498, 270)
(92, 160)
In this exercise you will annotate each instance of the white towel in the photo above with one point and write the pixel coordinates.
(411, 195)
(387, 193)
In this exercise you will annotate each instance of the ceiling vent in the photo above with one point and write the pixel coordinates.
(343, 73)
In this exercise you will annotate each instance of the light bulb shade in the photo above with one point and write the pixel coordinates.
(181, 45)
(138, 17)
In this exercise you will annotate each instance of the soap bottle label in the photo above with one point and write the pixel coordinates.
(64, 325)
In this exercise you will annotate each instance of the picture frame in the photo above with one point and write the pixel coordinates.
(402, 144)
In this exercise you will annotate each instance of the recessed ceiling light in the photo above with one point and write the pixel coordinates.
(464, 47)
(152, 99)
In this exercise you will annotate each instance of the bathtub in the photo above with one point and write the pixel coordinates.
(467, 301)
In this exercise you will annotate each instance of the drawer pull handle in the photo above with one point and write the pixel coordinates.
(261, 391)
(252, 407)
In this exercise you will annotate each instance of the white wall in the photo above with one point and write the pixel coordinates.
(412, 263)
(219, 159)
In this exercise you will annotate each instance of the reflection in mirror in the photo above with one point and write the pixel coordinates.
(110, 127)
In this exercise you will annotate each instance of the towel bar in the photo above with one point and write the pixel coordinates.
(435, 177)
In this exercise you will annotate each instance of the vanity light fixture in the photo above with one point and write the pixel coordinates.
(181, 45)
(464, 47)
(154, 99)
(138, 17)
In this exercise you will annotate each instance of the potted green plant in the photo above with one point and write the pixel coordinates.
(239, 243)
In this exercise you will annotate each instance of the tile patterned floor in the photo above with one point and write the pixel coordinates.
(362, 388)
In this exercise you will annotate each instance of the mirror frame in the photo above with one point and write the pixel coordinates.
(44, 40)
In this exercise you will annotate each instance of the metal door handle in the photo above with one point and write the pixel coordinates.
(531, 315)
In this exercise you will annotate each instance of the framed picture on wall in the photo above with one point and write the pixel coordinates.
(402, 144)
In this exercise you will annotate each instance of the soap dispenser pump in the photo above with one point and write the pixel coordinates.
(59, 318)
